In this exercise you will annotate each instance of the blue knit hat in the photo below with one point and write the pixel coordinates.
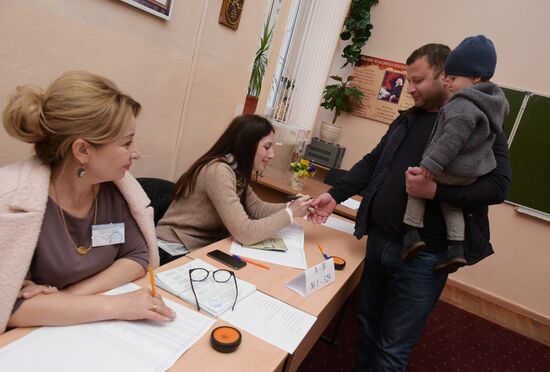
(475, 56)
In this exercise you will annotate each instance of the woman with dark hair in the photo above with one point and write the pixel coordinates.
(213, 198)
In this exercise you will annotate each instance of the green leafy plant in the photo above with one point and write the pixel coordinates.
(260, 61)
(357, 27)
(341, 98)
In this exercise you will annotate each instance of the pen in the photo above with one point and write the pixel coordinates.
(293, 197)
(152, 277)
(248, 260)
(322, 252)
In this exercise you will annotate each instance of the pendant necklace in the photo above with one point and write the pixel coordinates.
(82, 250)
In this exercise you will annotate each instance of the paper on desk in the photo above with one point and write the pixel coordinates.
(271, 320)
(340, 225)
(295, 256)
(173, 249)
(314, 278)
(108, 346)
(351, 203)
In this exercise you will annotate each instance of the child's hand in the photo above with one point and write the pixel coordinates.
(426, 173)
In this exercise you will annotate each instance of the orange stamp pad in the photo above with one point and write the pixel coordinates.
(225, 339)
(339, 263)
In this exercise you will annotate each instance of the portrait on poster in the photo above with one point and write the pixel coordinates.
(160, 8)
(384, 84)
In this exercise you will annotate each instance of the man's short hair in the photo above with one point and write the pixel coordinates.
(435, 54)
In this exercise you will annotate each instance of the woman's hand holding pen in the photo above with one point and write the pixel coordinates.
(299, 207)
(140, 304)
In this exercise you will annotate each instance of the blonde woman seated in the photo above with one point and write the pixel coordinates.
(82, 128)
(213, 198)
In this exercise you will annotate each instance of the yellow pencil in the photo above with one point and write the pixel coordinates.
(152, 277)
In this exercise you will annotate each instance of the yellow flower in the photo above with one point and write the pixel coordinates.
(304, 162)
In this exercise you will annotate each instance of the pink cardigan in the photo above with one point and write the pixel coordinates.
(23, 197)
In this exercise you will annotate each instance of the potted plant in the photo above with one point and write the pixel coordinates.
(338, 98)
(258, 69)
(357, 29)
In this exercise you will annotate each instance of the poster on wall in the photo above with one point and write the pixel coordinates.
(384, 84)
(160, 8)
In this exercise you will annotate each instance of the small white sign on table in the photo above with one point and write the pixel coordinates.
(314, 278)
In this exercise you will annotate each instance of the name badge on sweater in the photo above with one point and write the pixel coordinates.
(107, 234)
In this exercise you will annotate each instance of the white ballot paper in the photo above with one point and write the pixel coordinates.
(340, 225)
(295, 256)
(173, 249)
(314, 278)
(271, 320)
(114, 345)
(351, 203)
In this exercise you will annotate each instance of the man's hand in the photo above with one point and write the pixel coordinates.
(323, 206)
(426, 173)
(419, 186)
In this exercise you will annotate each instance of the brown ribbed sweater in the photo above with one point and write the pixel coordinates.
(214, 210)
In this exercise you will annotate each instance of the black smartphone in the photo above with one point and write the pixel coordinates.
(226, 259)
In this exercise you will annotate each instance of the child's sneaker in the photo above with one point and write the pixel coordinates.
(452, 259)
(412, 243)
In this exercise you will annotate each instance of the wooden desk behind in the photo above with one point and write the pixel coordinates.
(279, 181)
(323, 304)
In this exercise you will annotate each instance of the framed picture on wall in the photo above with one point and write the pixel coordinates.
(160, 8)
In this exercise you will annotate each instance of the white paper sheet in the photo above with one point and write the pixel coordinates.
(271, 320)
(108, 346)
(295, 256)
(313, 279)
(351, 203)
(214, 298)
(340, 225)
(173, 249)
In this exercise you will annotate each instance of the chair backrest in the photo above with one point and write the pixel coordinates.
(160, 193)
(334, 175)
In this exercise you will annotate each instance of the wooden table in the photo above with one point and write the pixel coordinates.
(274, 185)
(323, 304)
(255, 354)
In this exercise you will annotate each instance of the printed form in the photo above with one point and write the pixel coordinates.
(293, 236)
(114, 345)
(271, 320)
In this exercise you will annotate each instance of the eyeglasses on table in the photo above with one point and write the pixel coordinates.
(199, 274)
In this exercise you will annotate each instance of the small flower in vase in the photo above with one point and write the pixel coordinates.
(302, 168)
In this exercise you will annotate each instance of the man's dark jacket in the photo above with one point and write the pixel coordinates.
(366, 176)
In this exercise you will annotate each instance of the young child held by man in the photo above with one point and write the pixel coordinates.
(459, 150)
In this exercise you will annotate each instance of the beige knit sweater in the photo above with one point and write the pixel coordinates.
(214, 210)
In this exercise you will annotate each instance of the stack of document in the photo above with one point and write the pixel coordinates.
(215, 298)
(294, 256)
(108, 346)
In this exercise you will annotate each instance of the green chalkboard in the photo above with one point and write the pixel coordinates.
(530, 156)
(515, 99)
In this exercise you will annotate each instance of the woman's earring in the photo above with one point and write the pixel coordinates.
(81, 172)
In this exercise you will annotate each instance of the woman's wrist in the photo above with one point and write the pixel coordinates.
(290, 214)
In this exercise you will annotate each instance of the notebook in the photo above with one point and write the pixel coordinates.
(214, 298)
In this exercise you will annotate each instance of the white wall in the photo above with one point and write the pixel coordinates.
(189, 73)
(518, 273)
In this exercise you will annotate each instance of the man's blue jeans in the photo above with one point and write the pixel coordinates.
(395, 300)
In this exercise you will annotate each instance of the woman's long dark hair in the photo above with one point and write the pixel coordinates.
(241, 139)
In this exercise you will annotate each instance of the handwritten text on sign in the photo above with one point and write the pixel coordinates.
(314, 278)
